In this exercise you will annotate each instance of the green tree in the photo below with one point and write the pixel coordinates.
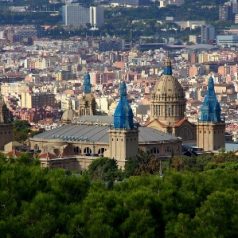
(104, 169)
(21, 130)
(218, 216)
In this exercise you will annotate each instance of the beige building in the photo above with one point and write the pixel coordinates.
(14, 88)
(35, 100)
(76, 145)
(168, 105)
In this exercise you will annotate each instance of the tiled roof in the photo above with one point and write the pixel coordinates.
(98, 134)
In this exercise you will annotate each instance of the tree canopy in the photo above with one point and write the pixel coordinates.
(196, 197)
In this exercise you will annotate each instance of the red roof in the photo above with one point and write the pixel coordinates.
(47, 156)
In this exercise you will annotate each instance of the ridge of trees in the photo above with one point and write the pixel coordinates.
(196, 197)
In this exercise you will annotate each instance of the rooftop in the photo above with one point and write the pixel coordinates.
(99, 134)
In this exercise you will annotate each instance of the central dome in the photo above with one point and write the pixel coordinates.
(168, 99)
(168, 85)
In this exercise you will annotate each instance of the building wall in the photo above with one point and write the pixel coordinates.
(75, 15)
(210, 136)
(37, 100)
(168, 110)
(78, 150)
(186, 131)
(6, 134)
(227, 40)
(96, 16)
(123, 144)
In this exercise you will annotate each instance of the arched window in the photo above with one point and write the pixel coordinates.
(36, 147)
(153, 150)
(101, 151)
(87, 151)
(77, 150)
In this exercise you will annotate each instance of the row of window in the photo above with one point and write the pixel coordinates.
(127, 139)
(88, 151)
(5, 132)
(172, 110)
(167, 149)
(214, 132)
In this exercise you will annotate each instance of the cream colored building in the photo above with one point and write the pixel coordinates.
(35, 100)
(14, 88)
(76, 145)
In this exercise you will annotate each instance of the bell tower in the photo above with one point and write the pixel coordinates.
(123, 137)
(87, 101)
(210, 126)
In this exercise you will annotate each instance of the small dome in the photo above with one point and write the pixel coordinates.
(68, 114)
(210, 110)
(167, 85)
(123, 116)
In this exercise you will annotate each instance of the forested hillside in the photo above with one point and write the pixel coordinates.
(195, 197)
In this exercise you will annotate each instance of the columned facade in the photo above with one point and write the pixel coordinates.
(168, 106)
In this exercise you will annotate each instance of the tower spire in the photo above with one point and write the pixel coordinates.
(167, 66)
(87, 87)
(123, 116)
(210, 109)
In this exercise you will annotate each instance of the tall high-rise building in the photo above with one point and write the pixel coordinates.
(207, 34)
(234, 5)
(225, 12)
(96, 16)
(75, 15)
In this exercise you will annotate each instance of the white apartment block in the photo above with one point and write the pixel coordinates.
(96, 16)
(75, 15)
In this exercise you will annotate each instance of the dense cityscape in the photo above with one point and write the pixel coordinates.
(118, 118)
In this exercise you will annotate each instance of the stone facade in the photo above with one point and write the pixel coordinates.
(6, 134)
(87, 105)
(74, 146)
(123, 144)
(211, 136)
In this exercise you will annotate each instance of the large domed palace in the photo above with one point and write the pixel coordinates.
(76, 143)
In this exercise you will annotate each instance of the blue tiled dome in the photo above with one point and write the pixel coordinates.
(123, 116)
(210, 110)
(87, 84)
